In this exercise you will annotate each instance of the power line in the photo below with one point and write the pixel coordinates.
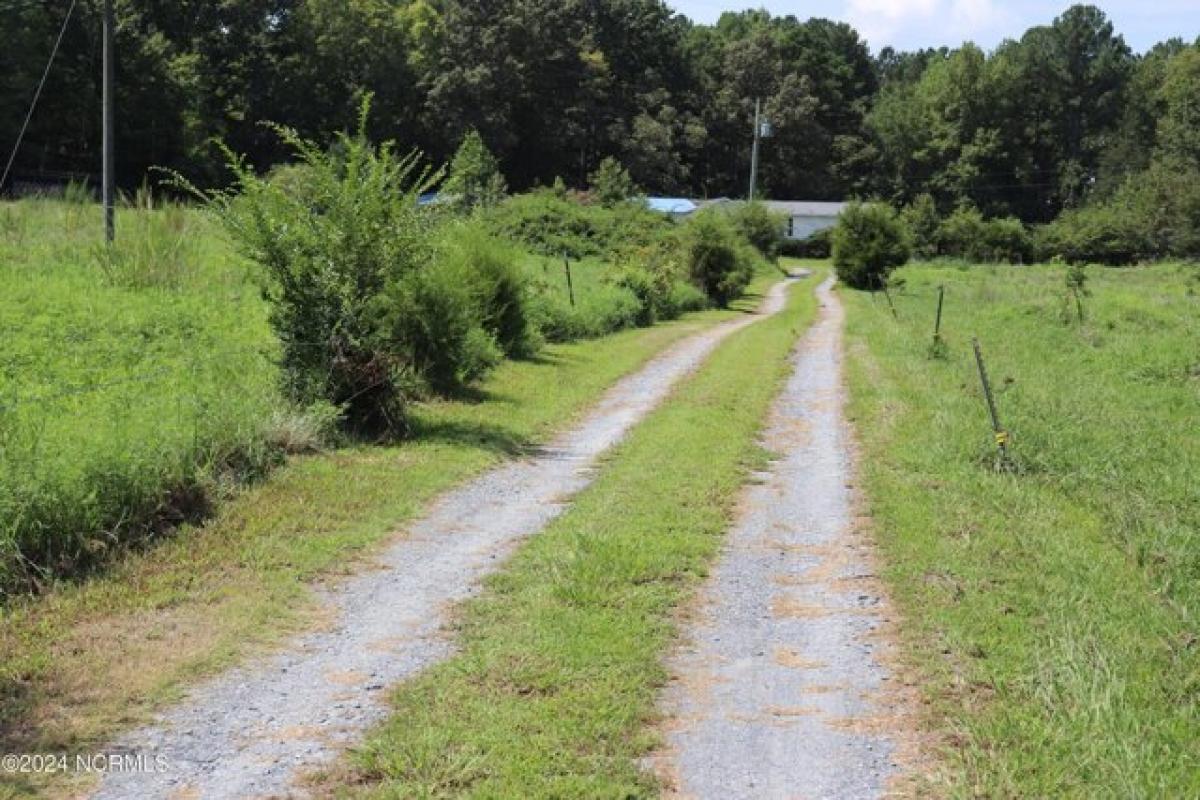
(36, 95)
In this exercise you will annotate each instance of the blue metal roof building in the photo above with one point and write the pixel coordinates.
(675, 206)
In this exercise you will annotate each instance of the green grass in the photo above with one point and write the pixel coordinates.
(138, 383)
(131, 380)
(1051, 611)
(85, 660)
(555, 685)
(600, 307)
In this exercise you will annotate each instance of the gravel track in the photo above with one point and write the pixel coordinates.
(779, 690)
(252, 731)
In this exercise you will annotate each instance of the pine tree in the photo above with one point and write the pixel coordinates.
(474, 180)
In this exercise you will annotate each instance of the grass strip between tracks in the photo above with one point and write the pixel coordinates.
(553, 692)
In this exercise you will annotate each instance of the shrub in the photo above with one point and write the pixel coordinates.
(549, 224)
(966, 234)
(433, 318)
(717, 259)
(761, 228)
(602, 309)
(500, 288)
(868, 243)
(552, 225)
(365, 314)
(1101, 234)
(655, 274)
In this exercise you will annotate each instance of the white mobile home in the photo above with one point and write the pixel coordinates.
(806, 218)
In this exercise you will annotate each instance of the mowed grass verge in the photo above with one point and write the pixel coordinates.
(553, 692)
(85, 660)
(1052, 612)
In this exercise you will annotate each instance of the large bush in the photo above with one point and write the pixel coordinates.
(868, 243)
(555, 224)
(500, 288)
(1154, 214)
(1100, 234)
(760, 227)
(367, 316)
(718, 260)
(549, 224)
(966, 234)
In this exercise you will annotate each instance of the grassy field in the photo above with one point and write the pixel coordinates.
(561, 657)
(87, 659)
(1052, 610)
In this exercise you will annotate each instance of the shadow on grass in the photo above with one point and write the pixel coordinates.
(482, 435)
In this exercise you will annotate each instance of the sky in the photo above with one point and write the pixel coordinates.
(911, 24)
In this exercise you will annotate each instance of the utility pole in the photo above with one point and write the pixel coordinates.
(107, 186)
(754, 151)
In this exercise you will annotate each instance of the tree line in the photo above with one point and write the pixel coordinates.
(1058, 118)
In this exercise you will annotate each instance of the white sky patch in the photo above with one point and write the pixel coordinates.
(883, 21)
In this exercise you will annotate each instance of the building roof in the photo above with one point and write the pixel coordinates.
(804, 208)
(671, 205)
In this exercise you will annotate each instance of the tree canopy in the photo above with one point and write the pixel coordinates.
(1044, 123)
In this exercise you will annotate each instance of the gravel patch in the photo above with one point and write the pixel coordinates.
(255, 729)
(779, 688)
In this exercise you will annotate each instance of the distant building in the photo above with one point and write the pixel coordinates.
(806, 218)
(674, 207)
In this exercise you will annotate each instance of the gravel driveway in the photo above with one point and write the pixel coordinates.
(252, 731)
(778, 688)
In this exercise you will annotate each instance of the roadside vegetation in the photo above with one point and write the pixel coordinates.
(144, 382)
(81, 662)
(1050, 607)
(561, 657)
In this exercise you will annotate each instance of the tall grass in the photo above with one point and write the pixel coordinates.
(1054, 610)
(133, 381)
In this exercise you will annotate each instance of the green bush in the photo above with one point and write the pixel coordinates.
(718, 260)
(868, 243)
(760, 227)
(550, 225)
(500, 287)
(602, 309)
(366, 314)
(967, 235)
(655, 274)
(473, 179)
(1100, 234)
(433, 317)
(553, 224)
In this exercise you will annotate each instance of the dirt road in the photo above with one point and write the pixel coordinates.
(779, 690)
(253, 730)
